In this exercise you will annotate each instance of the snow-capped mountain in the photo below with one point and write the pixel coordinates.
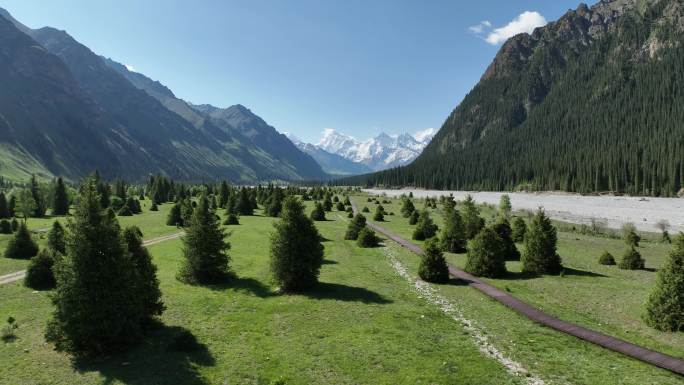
(379, 153)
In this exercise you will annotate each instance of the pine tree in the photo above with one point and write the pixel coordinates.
(37, 194)
(97, 309)
(4, 207)
(630, 235)
(60, 202)
(665, 305)
(147, 283)
(231, 219)
(379, 215)
(339, 206)
(204, 248)
(56, 238)
(632, 260)
(452, 239)
(366, 238)
(355, 225)
(471, 218)
(413, 218)
(174, 217)
(425, 228)
(327, 203)
(407, 207)
(318, 213)
(22, 245)
(275, 205)
(503, 229)
(433, 266)
(5, 226)
(25, 204)
(12, 205)
(607, 259)
(153, 207)
(244, 203)
(224, 193)
(39, 273)
(186, 210)
(296, 249)
(505, 207)
(519, 229)
(540, 256)
(486, 255)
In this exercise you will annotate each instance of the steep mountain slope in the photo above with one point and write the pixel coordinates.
(332, 164)
(379, 153)
(68, 111)
(592, 102)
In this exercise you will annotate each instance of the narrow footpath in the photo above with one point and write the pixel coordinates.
(641, 353)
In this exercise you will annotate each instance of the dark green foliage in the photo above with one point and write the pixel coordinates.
(21, 246)
(318, 213)
(244, 203)
(11, 205)
(56, 239)
(367, 238)
(296, 249)
(38, 197)
(204, 248)
(39, 273)
(503, 229)
(146, 282)
(224, 194)
(186, 209)
(379, 215)
(365, 209)
(407, 207)
(153, 207)
(413, 218)
(336, 199)
(355, 225)
(632, 260)
(472, 221)
(5, 226)
(665, 305)
(607, 259)
(60, 200)
(174, 217)
(327, 203)
(275, 203)
(350, 214)
(453, 238)
(519, 229)
(347, 202)
(425, 227)
(15, 224)
(97, 308)
(433, 266)
(125, 211)
(4, 207)
(340, 206)
(630, 235)
(505, 207)
(231, 220)
(540, 256)
(486, 255)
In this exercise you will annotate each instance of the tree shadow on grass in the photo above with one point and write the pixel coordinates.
(169, 355)
(345, 293)
(567, 271)
(249, 285)
(329, 262)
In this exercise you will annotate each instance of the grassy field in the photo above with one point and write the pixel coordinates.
(599, 297)
(363, 324)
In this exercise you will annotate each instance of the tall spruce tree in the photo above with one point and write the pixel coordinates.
(505, 207)
(22, 245)
(471, 218)
(4, 207)
(245, 206)
(407, 207)
(60, 201)
(453, 239)
(97, 308)
(296, 249)
(206, 260)
(174, 218)
(665, 306)
(38, 197)
(540, 256)
(56, 239)
(505, 232)
(147, 283)
(519, 229)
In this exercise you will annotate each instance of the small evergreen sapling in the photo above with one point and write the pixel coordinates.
(453, 239)
(471, 218)
(665, 305)
(413, 218)
(503, 229)
(425, 228)
(39, 273)
(433, 266)
(356, 224)
(5, 226)
(367, 238)
(519, 229)
(632, 260)
(540, 255)
(379, 215)
(318, 213)
(486, 255)
(56, 238)
(22, 245)
(607, 259)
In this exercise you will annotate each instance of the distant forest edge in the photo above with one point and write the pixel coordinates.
(593, 102)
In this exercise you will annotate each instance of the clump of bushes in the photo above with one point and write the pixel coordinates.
(367, 238)
(355, 226)
(486, 255)
(433, 266)
(425, 228)
(39, 273)
(5, 227)
(632, 260)
(607, 259)
(413, 218)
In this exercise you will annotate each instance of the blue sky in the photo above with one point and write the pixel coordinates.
(357, 66)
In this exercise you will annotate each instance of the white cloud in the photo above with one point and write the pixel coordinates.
(526, 22)
(130, 68)
(481, 27)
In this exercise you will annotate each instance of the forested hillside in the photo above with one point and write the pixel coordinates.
(592, 102)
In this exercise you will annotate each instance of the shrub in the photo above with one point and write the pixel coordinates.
(665, 305)
(365, 209)
(358, 223)
(327, 204)
(632, 260)
(379, 215)
(318, 213)
(15, 224)
(231, 219)
(347, 202)
(339, 206)
(607, 259)
(21, 246)
(630, 235)
(425, 228)
(5, 226)
(56, 238)
(486, 255)
(350, 214)
(174, 218)
(433, 266)
(39, 274)
(540, 256)
(413, 219)
(407, 207)
(125, 211)
(471, 218)
(519, 229)
(8, 332)
(154, 207)
(503, 229)
(453, 234)
(296, 249)
(505, 206)
(146, 283)
(367, 238)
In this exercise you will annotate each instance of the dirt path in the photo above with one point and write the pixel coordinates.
(19, 275)
(661, 360)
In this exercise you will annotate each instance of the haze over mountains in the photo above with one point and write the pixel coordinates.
(66, 111)
(592, 102)
(361, 156)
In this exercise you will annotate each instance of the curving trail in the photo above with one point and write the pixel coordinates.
(641, 353)
(19, 275)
